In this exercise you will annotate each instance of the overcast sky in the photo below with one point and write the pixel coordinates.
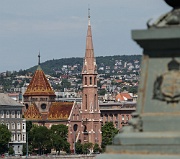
(58, 28)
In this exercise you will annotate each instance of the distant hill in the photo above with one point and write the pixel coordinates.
(55, 65)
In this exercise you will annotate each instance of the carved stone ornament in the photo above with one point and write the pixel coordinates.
(167, 85)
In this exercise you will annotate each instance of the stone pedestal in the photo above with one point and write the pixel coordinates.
(154, 132)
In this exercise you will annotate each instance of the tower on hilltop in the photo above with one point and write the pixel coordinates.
(90, 108)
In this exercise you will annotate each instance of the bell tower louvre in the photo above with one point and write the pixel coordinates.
(90, 107)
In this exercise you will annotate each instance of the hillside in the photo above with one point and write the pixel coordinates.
(59, 65)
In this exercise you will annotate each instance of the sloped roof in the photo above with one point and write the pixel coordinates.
(57, 111)
(123, 97)
(6, 100)
(32, 113)
(39, 85)
(60, 110)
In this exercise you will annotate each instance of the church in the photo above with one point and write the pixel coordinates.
(82, 118)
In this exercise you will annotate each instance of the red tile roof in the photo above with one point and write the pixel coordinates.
(123, 97)
(60, 110)
(39, 85)
(32, 113)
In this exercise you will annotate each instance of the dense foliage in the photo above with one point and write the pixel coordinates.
(108, 133)
(5, 137)
(41, 139)
(87, 148)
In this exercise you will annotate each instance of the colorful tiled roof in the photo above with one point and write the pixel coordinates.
(123, 97)
(32, 113)
(60, 110)
(39, 85)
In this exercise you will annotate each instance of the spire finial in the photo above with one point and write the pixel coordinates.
(89, 15)
(39, 58)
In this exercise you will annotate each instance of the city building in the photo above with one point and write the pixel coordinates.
(11, 116)
(84, 117)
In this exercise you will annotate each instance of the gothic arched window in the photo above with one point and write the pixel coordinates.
(95, 101)
(90, 80)
(86, 101)
(94, 80)
(85, 80)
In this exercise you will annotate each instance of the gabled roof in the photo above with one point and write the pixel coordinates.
(39, 85)
(32, 113)
(60, 110)
(123, 97)
(6, 100)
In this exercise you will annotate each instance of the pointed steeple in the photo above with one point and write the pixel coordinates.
(39, 84)
(89, 60)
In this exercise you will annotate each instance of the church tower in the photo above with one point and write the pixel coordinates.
(90, 108)
(39, 91)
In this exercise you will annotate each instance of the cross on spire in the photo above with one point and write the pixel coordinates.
(89, 16)
(39, 58)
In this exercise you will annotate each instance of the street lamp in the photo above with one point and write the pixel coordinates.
(75, 129)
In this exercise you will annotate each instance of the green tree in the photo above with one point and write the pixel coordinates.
(96, 148)
(79, 147)
(102, 92)
(11, 151)
(28, 126)
(87, 148)
(59, 134)
(40, 136)
(108, 133)
(5, 137)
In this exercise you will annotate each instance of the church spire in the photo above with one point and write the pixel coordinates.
(89, 60)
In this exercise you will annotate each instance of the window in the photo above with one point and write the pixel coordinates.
(23, 126)
(12, 126)
(86, 101)
(18, 137)
(94, 80)
(7, 114)
(18, 126)
(90, 80)
(122, 117)
(43, 106)
(18, 114)
(127, 117)
(23, 137)
(7, 124)
(85, 80)
(26, 106)
(2, 114)
(14, 137)
(12, 114)
(95, 101)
